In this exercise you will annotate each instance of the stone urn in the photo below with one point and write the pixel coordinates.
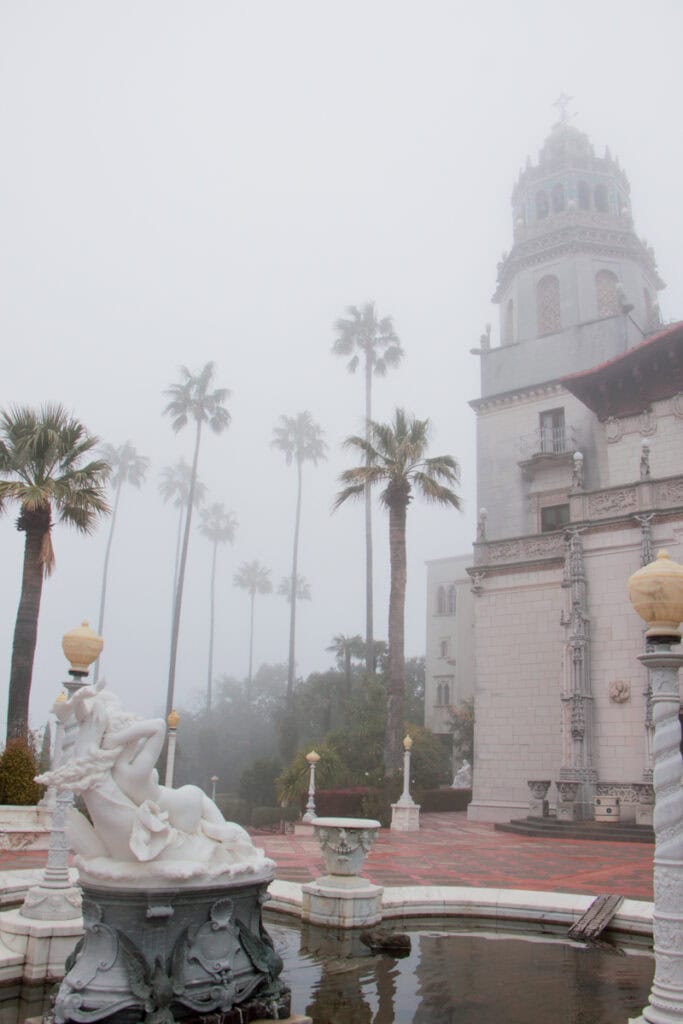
(656, 593)
(538, 804)
(345, 842)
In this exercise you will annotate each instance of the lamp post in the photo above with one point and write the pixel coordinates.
(405, 813)
(656, 592)
(405, 797)
(310, 814)
(172, 721)
(214, 780)
(55, 898)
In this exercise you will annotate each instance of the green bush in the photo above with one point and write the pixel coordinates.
(290, 813)
(17, 774)
(263, 817)
(257, 784)
(233, 808)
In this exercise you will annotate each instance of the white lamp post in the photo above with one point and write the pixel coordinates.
(656, 592)
(214, 780)
(55, 898)
(405, 814)
(312, 759)
(172, 721)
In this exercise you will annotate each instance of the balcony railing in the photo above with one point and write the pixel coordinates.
(548, 441)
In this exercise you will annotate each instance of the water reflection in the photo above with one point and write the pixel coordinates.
(463, 978)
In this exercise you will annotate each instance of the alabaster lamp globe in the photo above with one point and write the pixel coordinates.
(173, 719)
(656, 593)
(82, 646)
(313, 757)
(407, 743)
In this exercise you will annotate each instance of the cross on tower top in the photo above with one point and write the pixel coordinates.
(562, 102)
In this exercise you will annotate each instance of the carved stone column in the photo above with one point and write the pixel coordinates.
(666, 996)
(538, 804)
(577, 696)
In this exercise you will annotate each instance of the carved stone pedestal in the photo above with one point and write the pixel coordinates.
(341, 898)
(538, 804)
(405, 817)
(185, 952)
(566, 801)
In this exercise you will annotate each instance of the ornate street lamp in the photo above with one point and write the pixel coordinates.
(656, 592)
(55, 898)
(310, 814)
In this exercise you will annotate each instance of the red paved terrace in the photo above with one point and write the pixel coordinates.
(450, 850)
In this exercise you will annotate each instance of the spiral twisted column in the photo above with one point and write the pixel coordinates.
(666, 996)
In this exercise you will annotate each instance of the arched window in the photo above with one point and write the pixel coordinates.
(451, 599)
(600, 198)
(558, 198)
(441, 601)
(439, 694)
(584, 196)
(443, 649)
(548, 305)
(606, 289)
(541, 204)
(446, 693)
(509, 321)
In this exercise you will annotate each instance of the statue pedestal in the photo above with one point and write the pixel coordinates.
(405, 817)
(183, 951)
(341, 901)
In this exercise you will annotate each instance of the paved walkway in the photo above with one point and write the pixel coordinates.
(450, 850)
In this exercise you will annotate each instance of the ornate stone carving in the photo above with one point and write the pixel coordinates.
(669, 492)
(345, 842)
(647, 423)
(519, 549)
(677, 405)
(619, 691)
(603, 504)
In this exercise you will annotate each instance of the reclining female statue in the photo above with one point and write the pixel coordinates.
(140, 829)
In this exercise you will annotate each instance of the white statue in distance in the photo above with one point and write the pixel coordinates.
(142, 832)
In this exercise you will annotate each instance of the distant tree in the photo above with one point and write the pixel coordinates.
(45, 758)
(462, 727)
(127, 468)
(302, 592)
(255, 579)
(300, 440)
(191, 400)
(396, 456)
(175, 488)
(366, 337)
(415, 690)
(345, 649)
(43, 470)
(218, 526)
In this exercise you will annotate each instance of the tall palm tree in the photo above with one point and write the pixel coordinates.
(365, 336)
(345, 648)
(175, 487)
(191, 400)
(218, 525)
(396, 456)
(301, 440)
(302, 589)
(127, 468)
(43, 469)
(255, 579)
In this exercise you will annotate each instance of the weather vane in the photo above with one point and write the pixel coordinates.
(562, 102)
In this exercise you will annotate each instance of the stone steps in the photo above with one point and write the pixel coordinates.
(620, 832)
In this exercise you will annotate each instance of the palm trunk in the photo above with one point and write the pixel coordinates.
(178, 598)
(26, 633)
(347, 670)
(105, 570)
(292, 609)
(251, 638)
(369, 624)
(209, 681)
(393, 738)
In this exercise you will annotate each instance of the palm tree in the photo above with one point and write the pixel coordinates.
(395, 456)
(191, 399)
(175, 487)
(127, 468)
(302, 589)
(219, 526)
(254, 578)
(362, 334)
(42, 461)
(345, 648)
(301, 440)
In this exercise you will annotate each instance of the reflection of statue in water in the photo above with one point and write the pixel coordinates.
(140, 829)
(463, 777)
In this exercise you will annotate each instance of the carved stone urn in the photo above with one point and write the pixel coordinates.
(345, 842)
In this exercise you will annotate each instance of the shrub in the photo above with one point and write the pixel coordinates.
(17, 774)
(294, 780)
(233, 808)
(264, 817)
(257, 784)
(446, 799)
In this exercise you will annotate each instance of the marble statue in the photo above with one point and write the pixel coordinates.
(142, 832)
(463, 776)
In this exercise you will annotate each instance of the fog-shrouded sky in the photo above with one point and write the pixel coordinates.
(217, 180)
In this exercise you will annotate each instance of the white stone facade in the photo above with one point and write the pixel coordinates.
(583, 367)
(449, 661)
